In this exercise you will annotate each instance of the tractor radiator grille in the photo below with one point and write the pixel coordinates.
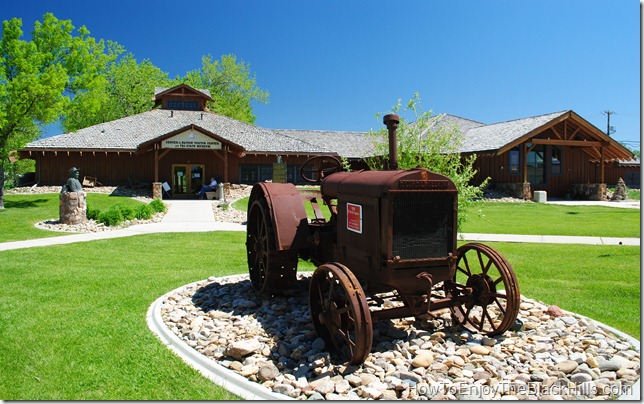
(422, 224)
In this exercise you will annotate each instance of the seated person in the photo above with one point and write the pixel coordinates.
(208, 188)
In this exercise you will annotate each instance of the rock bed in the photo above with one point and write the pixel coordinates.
(555, 355)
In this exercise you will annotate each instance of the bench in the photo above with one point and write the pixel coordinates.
(218, 193)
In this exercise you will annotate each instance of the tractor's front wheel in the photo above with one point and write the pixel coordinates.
(491, 290)
(340, 312)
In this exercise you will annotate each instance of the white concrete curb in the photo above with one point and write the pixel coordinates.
(249, 390)
(221, 376)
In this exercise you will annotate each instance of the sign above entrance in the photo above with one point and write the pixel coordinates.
(191, 139)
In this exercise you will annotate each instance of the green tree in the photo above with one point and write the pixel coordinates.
(424, 142)
(38, 77)
(231, 85)
(126, 88)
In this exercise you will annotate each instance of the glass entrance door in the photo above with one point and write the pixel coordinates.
(187, 179)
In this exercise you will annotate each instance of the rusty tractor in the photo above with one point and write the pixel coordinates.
(387, 249)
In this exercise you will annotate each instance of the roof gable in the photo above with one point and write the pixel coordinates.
(182, 89)
(177, 96)
(565, 128)
(503, 134)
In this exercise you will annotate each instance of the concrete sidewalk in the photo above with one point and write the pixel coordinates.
(197, 216)
(182, 216)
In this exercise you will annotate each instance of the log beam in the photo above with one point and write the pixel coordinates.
(571, 143)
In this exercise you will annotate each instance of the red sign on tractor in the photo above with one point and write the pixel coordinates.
(354, 217)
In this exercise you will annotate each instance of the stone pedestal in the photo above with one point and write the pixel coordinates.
(157, 190)
(73, 208)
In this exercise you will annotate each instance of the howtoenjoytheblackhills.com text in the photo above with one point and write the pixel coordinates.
(534, 389)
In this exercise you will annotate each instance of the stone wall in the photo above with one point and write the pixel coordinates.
(73, 208)
(515, 189)
(588, 192)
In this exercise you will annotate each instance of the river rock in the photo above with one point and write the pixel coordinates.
(567, 367)
(554, 311)
(287, 356)
(615, 363)
(479, 350)
(240, 349)
(423, 359)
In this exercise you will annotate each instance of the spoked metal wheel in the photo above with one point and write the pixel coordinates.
(270, 270)
(491, 289)
(340, 312)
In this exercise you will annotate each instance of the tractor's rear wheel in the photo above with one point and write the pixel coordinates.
(491, 289)
(340, 312)
(270, 271)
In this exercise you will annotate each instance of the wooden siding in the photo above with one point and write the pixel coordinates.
(576, 168)
(116, 169)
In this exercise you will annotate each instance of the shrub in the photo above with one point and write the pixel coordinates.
(111, 217)
(126, 211)
(93, 213)
(158, 206)
(143, 212)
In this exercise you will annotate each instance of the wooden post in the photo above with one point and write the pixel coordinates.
(156, 164)
(524, 162)
(601, 162)
(226, 151)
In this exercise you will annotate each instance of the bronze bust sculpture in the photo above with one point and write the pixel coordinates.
(72, 184)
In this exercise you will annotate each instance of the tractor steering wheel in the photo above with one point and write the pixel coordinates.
(322, 166)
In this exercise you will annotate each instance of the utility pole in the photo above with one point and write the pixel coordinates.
(608, 114)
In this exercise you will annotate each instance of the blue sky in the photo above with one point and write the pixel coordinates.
(332, 65)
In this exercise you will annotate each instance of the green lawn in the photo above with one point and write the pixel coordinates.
(22, 212)
(73, 327)
(556, 220)
(539, 219)
(601, 282)
(73, 317)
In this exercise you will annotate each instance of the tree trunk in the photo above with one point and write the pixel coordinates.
(1, 186)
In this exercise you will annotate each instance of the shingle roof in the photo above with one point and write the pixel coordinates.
(497, 135)
(462, 123)
(127, 134)
(345, 144)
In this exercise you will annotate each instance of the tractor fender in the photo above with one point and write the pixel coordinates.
(287, 213)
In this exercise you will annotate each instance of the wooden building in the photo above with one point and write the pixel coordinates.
(560, 153)
(181, 142)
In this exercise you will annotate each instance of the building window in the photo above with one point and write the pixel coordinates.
(293, 173)
(183, 105)
(515, 162)
(555, 161)
(253, 173)
(534, 163)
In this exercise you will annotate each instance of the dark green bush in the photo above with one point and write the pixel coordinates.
(111, 217)
(143, 212)
(158, 206)
(93, 213)
(126, 211)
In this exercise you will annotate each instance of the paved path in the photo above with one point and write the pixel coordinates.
(197, 216)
